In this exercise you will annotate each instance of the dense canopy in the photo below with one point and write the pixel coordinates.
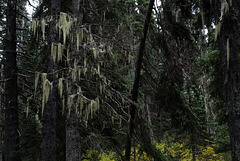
(117, 80)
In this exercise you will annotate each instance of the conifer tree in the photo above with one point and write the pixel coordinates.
(11, 88)
(50, 111)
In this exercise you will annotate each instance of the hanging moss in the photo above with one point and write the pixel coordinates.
(43, 23)
(36, 82)
(228, 53)
(60, 87)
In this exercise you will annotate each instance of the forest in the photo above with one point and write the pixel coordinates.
(119, 80)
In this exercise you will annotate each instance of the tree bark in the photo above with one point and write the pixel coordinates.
(50, 112)
(1, 136)
(230, 31)
(11, 90)
(136, 82)
(148, 113)
(73, 146)
(73, 137)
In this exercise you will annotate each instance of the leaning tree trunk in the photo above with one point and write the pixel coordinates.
(50, 112)
(229, 43)
(136, 82)
(11, 94)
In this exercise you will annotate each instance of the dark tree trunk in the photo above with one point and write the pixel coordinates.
(1, 134)
(73, 137)
(73, 146)
(136, 82)
(11, 94)
(230, 31)
(50, 112)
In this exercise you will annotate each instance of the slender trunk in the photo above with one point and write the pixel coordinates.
(50, 112)
(11, 94)
(229, 41)
(149, 118)
(136, 81)
(192, 134)
(208, 110)
(73, 137)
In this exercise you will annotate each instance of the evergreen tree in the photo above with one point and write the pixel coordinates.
(50, 113)
(11, 87)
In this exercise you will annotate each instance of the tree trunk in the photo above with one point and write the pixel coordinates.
(1, 148)
(148, 113)
(230, 37)
(50, 112)
(11, 91)
(136, 82)
(73, 137)
(73, 146)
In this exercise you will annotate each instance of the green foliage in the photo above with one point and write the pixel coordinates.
(211, 64)
(93, 155)
(30, 139)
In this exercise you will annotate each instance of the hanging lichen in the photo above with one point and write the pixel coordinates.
(44, 77)
(95, 53)
(60, 87)
(91, 108)
(98, 69)
(69, 24)
(60, 51)
(120, 122)
(82, 34)
(224, 9)
(84, 71)
(97, 103)
(217, 30)
(68, 57)
(228, 53)
(81, 105)
(34, 26)
(43, 28)
(63, 24)
(75, 65)
(36, 82)
(70, 102)
(112, 119)
(54, 51)
(78, 41)
(74, 75)
(85, 63)
(47, 87)
(90, 29)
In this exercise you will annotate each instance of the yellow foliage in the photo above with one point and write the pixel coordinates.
(175, 149)
(181, 153)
